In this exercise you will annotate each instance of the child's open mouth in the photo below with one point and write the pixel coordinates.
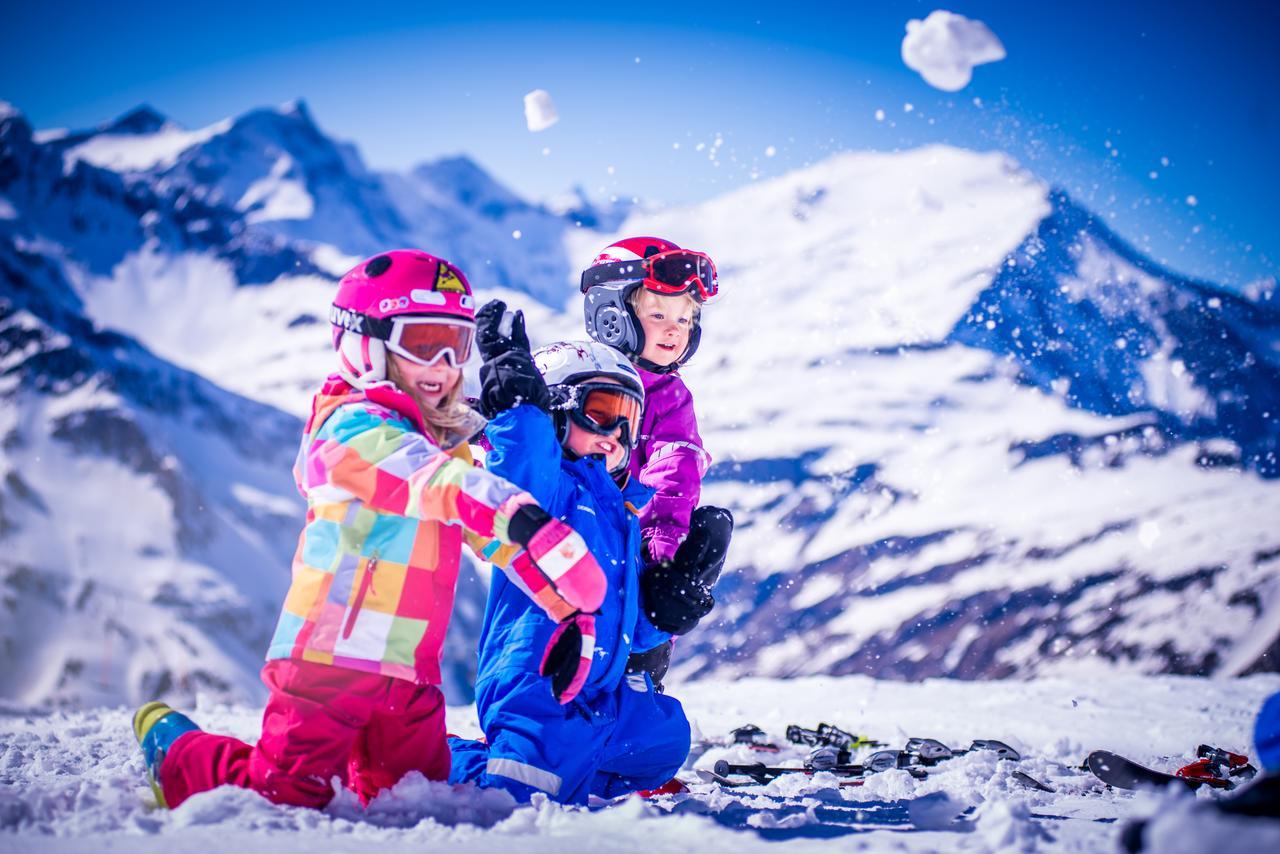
(668, 347)
(430, 388)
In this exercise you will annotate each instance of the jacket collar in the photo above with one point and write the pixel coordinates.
(337, 392)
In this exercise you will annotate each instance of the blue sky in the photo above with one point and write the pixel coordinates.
(1132, 107)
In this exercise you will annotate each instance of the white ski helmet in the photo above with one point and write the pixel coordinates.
(570, 362)
(569, 367)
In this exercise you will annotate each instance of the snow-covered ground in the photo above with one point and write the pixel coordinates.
(74, 781)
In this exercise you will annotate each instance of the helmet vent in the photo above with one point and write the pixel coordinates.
(377, 266)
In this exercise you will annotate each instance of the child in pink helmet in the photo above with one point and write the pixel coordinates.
(644, 296)
(392, 495)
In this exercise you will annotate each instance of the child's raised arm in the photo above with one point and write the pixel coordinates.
(361, 453)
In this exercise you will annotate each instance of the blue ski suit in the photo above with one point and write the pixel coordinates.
(618, 735)
(1266, 734)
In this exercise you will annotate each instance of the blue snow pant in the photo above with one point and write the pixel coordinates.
(1266, 734)
(607, 744)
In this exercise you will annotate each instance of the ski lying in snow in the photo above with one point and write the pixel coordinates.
(920, 753)
(1214, 767)
(829, 735)
(758, 774)
(1025, 779)
(761, 773)
(747, 735)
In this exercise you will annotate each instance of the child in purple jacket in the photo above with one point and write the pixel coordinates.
(644, 296)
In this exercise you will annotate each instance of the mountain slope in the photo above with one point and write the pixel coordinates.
(909, 506)
(283, 179)
(142, 512)
(1083, 315)
(940, 459)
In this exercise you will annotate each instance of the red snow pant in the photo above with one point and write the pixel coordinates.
(321, 722)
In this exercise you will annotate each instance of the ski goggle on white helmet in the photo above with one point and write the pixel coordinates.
(576, 373)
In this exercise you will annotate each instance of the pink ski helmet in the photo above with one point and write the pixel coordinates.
(380, 298)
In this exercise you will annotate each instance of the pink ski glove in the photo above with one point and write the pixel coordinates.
(569, 654)
(556, 568)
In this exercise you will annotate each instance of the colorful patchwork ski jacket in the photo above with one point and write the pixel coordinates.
(669, 458)
(387, 513)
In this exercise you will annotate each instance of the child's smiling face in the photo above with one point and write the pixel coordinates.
(585, 443)
(667, 322)
(427, 384)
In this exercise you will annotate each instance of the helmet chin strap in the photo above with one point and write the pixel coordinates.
(655, 368)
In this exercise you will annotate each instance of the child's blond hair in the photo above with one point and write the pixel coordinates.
(452, 413)
(636, 296)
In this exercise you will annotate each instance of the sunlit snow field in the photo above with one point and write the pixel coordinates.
(74, 781)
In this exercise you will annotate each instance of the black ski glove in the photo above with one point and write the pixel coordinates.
(655, 662)
(508, 376)
(677, 593)
(499, 331)
(710, 529)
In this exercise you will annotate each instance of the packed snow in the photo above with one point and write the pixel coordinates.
(945, 47)
(74, 781)
(539, 110)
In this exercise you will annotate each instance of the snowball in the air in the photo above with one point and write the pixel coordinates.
(539, 112)
(945, 47)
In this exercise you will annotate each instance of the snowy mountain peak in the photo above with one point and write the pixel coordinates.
(1087, 317)
(13, 124)
(143, 119)
(291, 121)
(297, 108)
(462, 180)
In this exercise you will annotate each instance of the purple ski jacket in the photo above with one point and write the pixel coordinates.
(668, 457)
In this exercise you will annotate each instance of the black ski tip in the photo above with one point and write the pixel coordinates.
(1031, 782)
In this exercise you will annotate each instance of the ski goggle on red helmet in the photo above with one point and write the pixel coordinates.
(603, 407)
(669, 273)
(422, 339)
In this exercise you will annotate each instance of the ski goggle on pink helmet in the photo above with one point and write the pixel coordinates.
(407, 302)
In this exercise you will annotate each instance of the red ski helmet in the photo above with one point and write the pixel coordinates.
(623, 267)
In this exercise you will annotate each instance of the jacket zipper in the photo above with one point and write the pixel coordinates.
(366, 584)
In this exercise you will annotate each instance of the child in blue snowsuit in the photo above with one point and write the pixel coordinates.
(561, 427)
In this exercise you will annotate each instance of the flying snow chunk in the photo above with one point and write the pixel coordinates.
(539, 112)
(945, 47)
(1148, 533)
